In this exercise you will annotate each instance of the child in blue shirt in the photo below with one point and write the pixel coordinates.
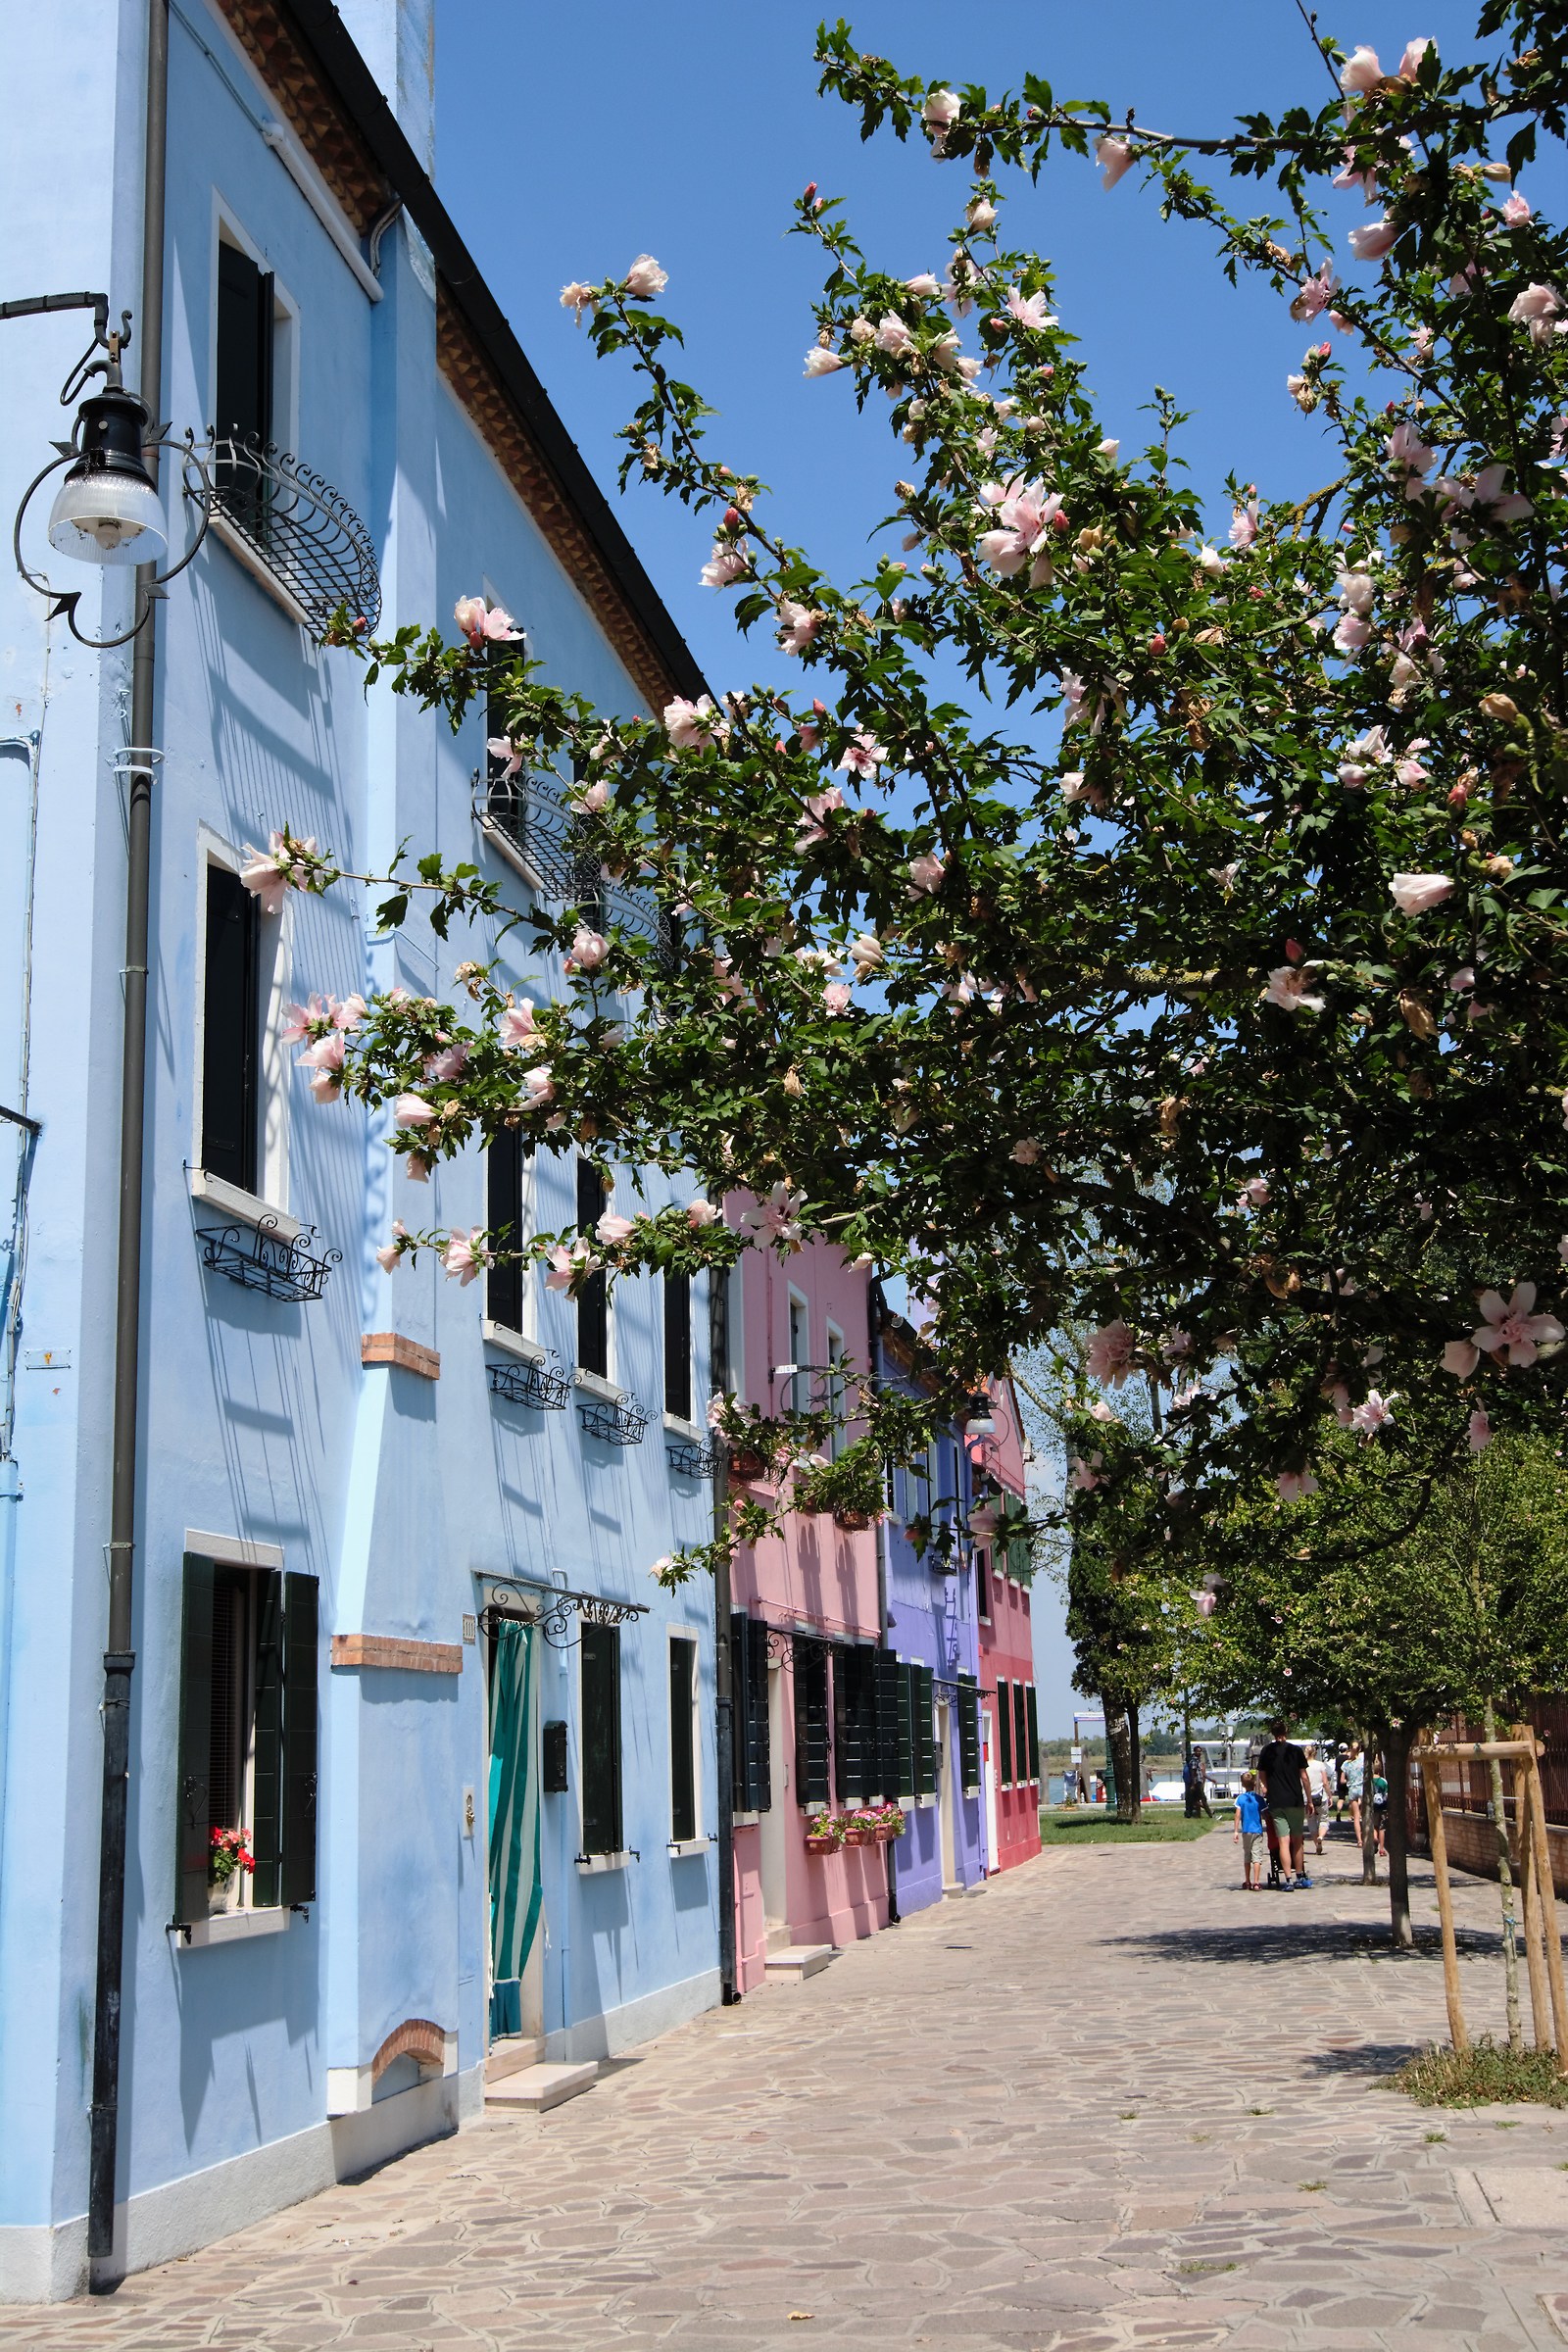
(1249, 1829)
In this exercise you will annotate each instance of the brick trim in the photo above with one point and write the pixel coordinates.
(397, 1349)
(393, 1651)
(332, 144)
(416, 2038)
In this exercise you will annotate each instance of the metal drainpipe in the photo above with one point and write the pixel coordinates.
(118, 1657)
(723, 1682)
(890, 1861)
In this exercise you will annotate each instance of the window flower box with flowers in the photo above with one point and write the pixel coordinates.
(229, 1861)
(824, 1833)
(887, 1822)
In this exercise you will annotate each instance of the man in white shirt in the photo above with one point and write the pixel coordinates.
(1322, 1788)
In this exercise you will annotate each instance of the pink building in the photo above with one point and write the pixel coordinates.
(1010, 1732)
(806, 1641)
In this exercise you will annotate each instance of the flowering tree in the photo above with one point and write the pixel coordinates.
(1202, 982)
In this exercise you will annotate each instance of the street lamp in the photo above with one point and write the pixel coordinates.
(106, 510)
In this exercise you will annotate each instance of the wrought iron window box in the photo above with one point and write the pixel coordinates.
(258, 1257)
(621, 1421)
(297, 530)
(533, 817)
(689, 1459)
(552, 1608)
(544, 1387)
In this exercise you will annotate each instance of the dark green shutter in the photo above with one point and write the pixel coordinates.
(231, 1031)
(678, 1346)
(266, 1783)
(683, 1759)
(593, 1300)
(905, 1731)
(192, 1787)
(922, 1695)
(601, 1740)
(1033, 1720)
(888, 1676)
(504, 1283)
(758, 1730)
(742, 1795)
(969, 1735)
(300, 1737)
(1003, 1735)
(849, 1768)
(1020, 1735)
(811, 1724)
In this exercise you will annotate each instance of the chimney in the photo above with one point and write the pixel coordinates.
(397, 40)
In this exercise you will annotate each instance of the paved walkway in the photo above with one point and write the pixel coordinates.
(1110, 2102)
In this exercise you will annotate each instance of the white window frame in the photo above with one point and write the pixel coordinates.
(799, 1397)
(274, 1067)
(838, 1434)
(698, 1840)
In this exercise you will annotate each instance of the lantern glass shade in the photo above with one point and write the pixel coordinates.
(104, 516)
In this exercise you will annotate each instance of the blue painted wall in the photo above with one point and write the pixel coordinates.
(259, 1420)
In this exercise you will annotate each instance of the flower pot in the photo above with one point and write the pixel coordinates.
(222, 1895)
(853, 1522)
(744, 1465)
(885, 1834)
(858, 1837)
(820, 1845)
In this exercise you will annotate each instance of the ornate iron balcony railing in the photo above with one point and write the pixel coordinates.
(534, 816)
(546, 1386)
(621, 1421)
(261, 1259)
(299, 529)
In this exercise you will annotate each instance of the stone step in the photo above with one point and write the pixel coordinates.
(535, 2089)
(800, 1960)
(511, 2056)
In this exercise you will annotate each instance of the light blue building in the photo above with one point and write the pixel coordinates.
(391, 1611)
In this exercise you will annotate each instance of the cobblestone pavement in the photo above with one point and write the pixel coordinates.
(1112, 2102)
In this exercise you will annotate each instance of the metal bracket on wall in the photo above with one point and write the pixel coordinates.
(261, 1259)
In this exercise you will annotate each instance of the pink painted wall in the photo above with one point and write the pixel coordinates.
(813, 1573)
(1006, 1643)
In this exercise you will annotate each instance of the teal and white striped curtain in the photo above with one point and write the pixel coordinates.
(516, 1895)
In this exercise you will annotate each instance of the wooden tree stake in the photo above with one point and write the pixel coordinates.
(1548, 1908)
(1531, 1911)
(1436, 1838)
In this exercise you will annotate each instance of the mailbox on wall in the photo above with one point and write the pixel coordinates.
(554, 1759)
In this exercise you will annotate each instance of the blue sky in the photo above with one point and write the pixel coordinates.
(570, 139)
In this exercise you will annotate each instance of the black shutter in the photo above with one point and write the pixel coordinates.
(923, 1696)
(1020, 1735)
(849, 1775)
(601, 1740)
(678, 1346)
(1004, 1737)
(244, 377)
(503, 1294)
(192, 1798)
(267, 1783)
(741, 1789)
(907, 1696)
(682, 1758)
(230, 1031)
(969, 1735)
(301, 1738)
(593, 1303)
(982, 1586)
(1032, 1719)
(758, 1730)
(811, 1724)
(888, 1680)
(865, 1665)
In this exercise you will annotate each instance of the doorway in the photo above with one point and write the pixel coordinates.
(515, 1888)
(773, 1828)
(950, 1862)
(988, 1782)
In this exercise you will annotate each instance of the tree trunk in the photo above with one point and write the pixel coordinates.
(1510, 1941)
(1136, 1783)
(1119, 1746)
(1396, 1764)
(1369, 1842)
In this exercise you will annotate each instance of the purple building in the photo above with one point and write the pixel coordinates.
(931, 1628)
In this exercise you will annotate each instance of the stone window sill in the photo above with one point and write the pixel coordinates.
(590, 1864)
(745, 1821)
(682, 1850)
(594, 1384)
(234, 1927)
(231, 1200)
(511, 1342)
(262, 573)
(678, 1427)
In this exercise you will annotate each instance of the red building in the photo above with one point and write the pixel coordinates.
(1008, 1722)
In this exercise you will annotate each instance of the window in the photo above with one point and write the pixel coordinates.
(506, 1292)
(231, 1032)
(800, 1353)
(247, 1731)
(243, 379)
(837, 1438)
(922, 1731)
(682, 1739)
(1003, 1735)
(593, 1303)
(811, 1724)
(678, 1346)
(600, 1655)
(752, 1776)
(1032, 1724)
(982, 1584)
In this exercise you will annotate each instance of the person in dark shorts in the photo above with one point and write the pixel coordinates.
(1281, 1771)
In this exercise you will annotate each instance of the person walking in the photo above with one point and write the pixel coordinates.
(1321, 1785)
(1379, 1814)
(1281, 1770)
(1249, 1829)
(1355, 1784)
